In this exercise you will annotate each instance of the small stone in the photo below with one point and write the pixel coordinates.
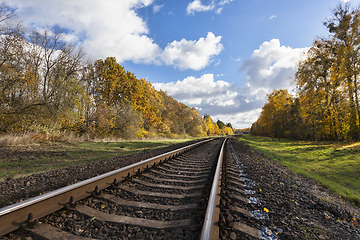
(267, 231)
(179, 231)
(139, 235)
(193, 228)
(229, 218)
(27, 184)
(233, 236)
(97, 224)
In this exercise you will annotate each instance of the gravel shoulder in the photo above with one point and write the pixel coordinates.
(297, 206)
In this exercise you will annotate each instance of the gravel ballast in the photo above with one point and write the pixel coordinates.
(297, 207)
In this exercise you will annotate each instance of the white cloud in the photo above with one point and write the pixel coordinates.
(345, 1)
(239, 119)
(218, 11)
(271, 67)
(272, 16)
(196, 6)
(198, 91)
(195, 55)
(110, 27)
(156, 8)
(113, 28)
(236, 59)
(216, 98)
(223, 2)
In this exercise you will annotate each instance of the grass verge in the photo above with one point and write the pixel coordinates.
(334, 165)
(21, 160)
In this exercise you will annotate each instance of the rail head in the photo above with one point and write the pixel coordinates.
(210, 230)
(15, 215)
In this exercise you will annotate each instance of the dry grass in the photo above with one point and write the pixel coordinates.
(16, 139)
(28, 138)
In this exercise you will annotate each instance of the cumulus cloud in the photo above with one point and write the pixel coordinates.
(198, 91)
(113, 28)
(192, 54)
(239, 119)
(218, 98)
(272, 66)
(197, 6)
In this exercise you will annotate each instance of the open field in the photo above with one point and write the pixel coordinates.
(334, 165)
(20, 160)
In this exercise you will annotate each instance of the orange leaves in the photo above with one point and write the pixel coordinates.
(274, 114)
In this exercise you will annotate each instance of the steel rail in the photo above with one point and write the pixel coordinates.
(16, 215)
(210, 228)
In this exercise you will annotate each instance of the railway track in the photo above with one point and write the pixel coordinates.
(198, 192)
(163, 196)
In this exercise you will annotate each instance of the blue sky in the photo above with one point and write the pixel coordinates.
(220, 56)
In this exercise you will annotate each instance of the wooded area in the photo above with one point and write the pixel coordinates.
(49, 87)
(326, 105)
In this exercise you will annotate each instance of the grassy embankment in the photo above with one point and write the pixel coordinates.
(334, 165)
(21, 160)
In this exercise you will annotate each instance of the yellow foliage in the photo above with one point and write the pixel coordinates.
(142, 133)
(227, 130)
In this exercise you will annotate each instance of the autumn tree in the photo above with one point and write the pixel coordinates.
(229, 125)
(11, 50)
(318, 88)
(220, 124)
(274, 116)
(178, 118)
(326, 105)
(111, 81)
(210, 127)
(344, 27)
(47, 84)
(227, 130)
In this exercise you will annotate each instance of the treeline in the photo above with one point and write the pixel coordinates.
(326, 105)
(47, 85)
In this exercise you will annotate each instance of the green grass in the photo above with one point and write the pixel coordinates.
(34, 158)
(334, 165)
